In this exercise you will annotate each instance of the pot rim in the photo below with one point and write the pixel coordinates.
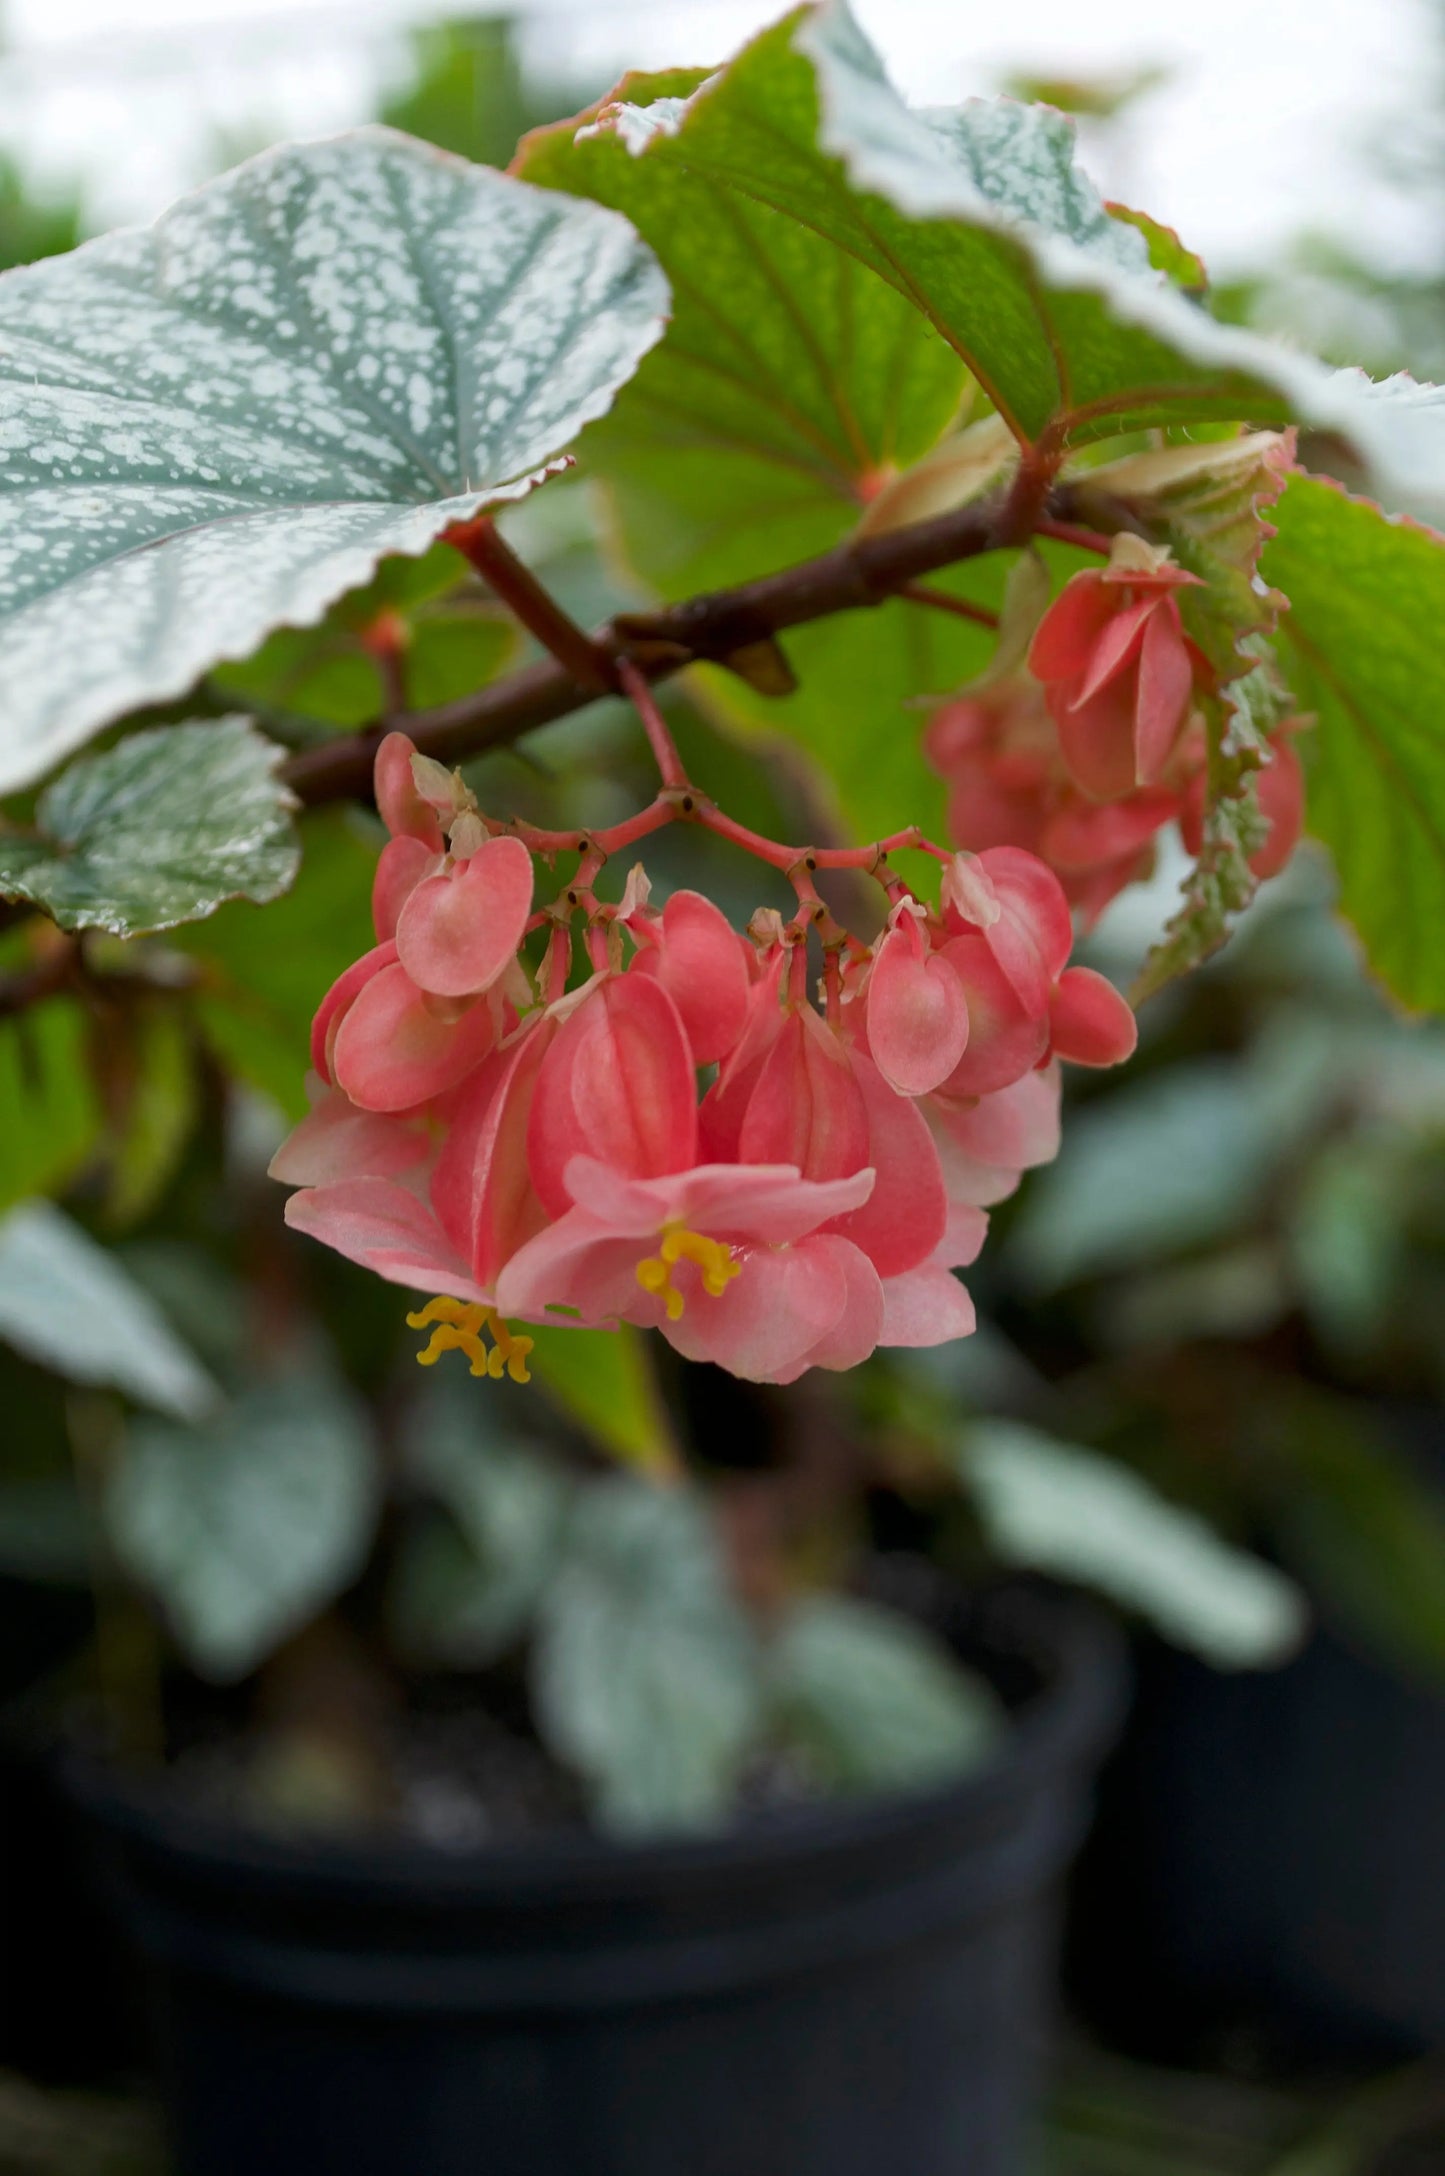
(1065, 1722)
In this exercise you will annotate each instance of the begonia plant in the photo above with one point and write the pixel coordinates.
(893, 476)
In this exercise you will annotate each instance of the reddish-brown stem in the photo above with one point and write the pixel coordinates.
(659, 739)
(1070, 532)
(480, 543)
(938, 600)
(55, 971)
(863, 571)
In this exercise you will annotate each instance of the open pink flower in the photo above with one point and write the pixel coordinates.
(1118, 669)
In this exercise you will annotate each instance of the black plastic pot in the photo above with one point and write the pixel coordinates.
(829, 1992)
(1266, 1877)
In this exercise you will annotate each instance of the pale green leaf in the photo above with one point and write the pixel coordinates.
(875, 1702)
(1054, 1507)
(1361, 647)
(245, 1530)
(645, 1675)
(71, 1305)
(217, 425)
(158, 830)
(468, 1586)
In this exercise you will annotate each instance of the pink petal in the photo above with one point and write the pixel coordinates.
(917, 1013)
(1090, 834)
(392, 1051)
(905, 1216)
(1090, 1023)
(725, 1106)
(701, 963)
(578, 1262)
(1096, 741)
(402, 865)
(482, 1187)
(1166, 681)
(1118, 644)
(337, 1141)
(617, 1084)
(784, 1302)
(963, 1237)
(806, 1108)
(457, 932)
(1019, 1125)
(1065, 637)
(387, 1229)
(925, 1307)
(403, 811)
(860, 1326)
(1032, 932)
(1004, 1040)
(339, 997)
(738, 1203)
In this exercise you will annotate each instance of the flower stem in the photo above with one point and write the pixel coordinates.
(482, 545)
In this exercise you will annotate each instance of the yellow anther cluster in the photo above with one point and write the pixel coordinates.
(460, 1324)
(715, 1260)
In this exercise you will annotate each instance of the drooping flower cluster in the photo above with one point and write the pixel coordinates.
(1087, 755)
(684, 1140)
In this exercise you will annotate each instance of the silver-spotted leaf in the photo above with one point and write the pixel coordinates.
(157, 831)
(216, 425)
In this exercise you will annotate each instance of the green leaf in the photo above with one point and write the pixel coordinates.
(52, 1117)
(217, 425)
(245, 1530)
(1361, 649)
(69, 1304)
(158, 830)
(977, 215)
(468, 1586)
(453, 642)
(603, 1381)
(876, 1703)
(1056, 1508)
(1363, 1528)
(149, 1136)
(263, 976)
(1147, 1172)
(792, 381)
(645, 1675)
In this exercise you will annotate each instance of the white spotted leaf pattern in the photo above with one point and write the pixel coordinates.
(158, 831)
(217, 425)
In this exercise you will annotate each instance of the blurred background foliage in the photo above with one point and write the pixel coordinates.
(1231, 1286)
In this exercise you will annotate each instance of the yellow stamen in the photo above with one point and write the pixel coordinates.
(715, 1260)
(460, 1324)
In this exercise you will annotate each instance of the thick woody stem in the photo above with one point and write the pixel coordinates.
(862, 572)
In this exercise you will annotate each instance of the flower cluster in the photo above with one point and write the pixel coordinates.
(1088, 754)
(684, 1139)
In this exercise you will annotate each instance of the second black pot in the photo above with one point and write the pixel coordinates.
(841, 1991)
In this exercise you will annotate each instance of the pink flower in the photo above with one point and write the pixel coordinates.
(1009, 786)
(528, 1151)
(1118, 669)
(407, 1021)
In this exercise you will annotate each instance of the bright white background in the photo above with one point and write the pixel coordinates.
(1269, 123)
